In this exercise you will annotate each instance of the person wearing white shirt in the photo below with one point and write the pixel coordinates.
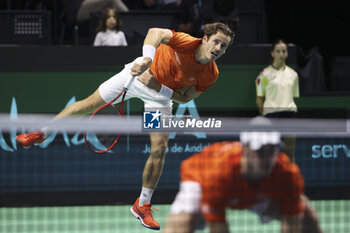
(109, 30)
(276, 87)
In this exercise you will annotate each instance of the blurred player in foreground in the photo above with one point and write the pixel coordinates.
(171, 61)
(250, 174)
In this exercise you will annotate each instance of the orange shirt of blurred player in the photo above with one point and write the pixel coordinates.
(217, 169)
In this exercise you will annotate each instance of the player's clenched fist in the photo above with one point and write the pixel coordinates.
(141, 66)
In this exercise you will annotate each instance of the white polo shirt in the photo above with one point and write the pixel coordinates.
(110, 38)
(279, 87)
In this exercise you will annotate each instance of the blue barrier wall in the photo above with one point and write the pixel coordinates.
(65, 164)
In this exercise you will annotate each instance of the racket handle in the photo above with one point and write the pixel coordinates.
(128, 83)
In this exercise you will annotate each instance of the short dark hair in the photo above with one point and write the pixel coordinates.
(212, 28)
(104, 16)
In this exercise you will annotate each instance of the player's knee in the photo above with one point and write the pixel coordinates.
(159, 147)
(92, 102)
(159, 150)
(83, 106)
(87, 105)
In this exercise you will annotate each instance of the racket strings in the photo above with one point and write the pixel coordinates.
(99, 142)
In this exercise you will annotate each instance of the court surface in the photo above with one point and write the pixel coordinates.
(334, 217)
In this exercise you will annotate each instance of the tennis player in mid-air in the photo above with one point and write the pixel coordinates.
(171, 61)
(251, 174)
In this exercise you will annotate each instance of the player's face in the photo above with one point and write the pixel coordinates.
(280, 52)
(260, 162)
(111, 22)
(215, 46)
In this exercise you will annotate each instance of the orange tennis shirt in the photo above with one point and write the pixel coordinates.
(217, 169)
(175, 67)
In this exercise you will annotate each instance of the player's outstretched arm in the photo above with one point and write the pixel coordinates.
(292, 224)
(218, 227)
(307, 222)
(301, 224)
(179, 223)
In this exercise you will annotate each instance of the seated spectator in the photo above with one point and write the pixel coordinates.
(196, 13)
(191, 17)
(109, 30)
(171, 4)
(88, 6)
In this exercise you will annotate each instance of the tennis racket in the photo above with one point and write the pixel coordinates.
(101, 143)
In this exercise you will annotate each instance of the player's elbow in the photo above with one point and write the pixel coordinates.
(153, 30)
(162, 34)
(158, 32)
(184, 100)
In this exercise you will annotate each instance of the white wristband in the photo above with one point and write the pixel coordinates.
(148, 51)
(166, 92)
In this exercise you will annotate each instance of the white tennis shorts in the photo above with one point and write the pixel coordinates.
(152, 100)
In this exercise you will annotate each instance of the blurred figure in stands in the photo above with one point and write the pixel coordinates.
(196, 13)
(191, 17)
(170, 4)
(88, 6)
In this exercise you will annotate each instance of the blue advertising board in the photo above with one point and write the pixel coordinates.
(63, 163)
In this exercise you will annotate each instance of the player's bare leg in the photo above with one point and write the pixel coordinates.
(151, 174)
(155, 162)
(82, 107)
